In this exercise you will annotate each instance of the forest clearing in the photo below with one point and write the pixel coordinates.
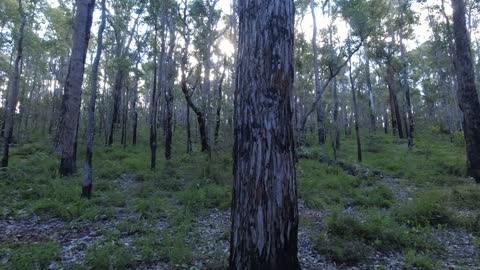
(241, 134)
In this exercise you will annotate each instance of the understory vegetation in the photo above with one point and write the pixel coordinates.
(144, 217)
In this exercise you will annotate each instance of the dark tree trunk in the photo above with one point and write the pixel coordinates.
(169, 91)
(467, 93)
(117, 91)
(264, 205)
(14, 89)
(88, 169)
(154, 111)
(394, 108)
(71, 100)
(87, 174)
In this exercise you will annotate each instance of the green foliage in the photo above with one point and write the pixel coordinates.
(205, 196)
(109, 255)
(347, 238)
(426, 209)
(29, 255)
(418, 261)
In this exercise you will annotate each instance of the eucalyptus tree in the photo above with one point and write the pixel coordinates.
(71, 100)
(189, 90)
(124, 36)
(90, 133)
(467, 91)
(264, 204)
(406, 18)
(15, 85)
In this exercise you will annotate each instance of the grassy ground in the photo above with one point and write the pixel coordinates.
(137, 217)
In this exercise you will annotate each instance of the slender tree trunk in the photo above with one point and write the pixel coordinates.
(264, 204)
(134, 111)
(169, 91)
(154, 111)
(355, 114)
(371, 104)
(467, 92)
(219, 103)
(15, 87)
(189, 134)
(318, 90)
(87, 173)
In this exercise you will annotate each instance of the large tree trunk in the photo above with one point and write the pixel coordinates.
(264, 206)
(14, 89)
(87, 174)
(467, 93)
(71, 100)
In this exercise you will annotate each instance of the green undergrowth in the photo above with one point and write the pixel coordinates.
(434, 160)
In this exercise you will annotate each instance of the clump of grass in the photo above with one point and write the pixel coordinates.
(418, 261)
(426, 209)
(378, 196)
(198, 197)
(174, 247)
(29, 255)
(348, 239)
(109, 255)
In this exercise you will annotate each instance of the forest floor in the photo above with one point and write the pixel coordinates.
(399, 209)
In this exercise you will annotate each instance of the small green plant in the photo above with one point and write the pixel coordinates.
(416, 261)
(109, 255)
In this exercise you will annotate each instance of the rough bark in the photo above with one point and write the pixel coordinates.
(71, 100)
(264, 205)
(14, 89)
(467, 93)
(87, 173)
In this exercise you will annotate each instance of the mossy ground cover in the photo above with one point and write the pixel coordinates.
(133, 201)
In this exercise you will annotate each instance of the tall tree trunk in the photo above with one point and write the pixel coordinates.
(154, 110)
(87, 173)
(467, 93)
(71, 100)
(394, 108)
(169, 91)
(410, 124)
(371, 104)
(14, 89)
(318, 88)
(264, 205)
(134, 110)
(355, 114)
(219, 102)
